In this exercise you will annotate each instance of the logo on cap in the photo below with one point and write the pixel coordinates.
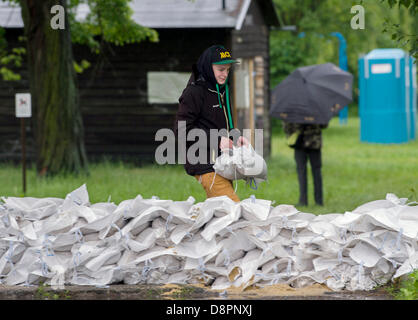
(225, 55)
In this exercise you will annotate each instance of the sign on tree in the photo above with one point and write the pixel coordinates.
(23, 105)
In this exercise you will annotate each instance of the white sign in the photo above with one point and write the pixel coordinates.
(381, 68)
(23, 105)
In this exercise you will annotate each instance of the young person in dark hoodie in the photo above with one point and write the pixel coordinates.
(205, 104)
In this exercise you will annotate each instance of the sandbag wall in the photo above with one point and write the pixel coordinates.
(218, 242)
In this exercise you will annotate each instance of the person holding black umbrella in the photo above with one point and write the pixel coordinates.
(306, 139)
(305, 101)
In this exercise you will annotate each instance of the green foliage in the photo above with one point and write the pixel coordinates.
(286, 51)
(316, 20)
(9, 75)
(9, 59)
(406, 289)
(110, 21)
(40, 292)
(184, 292)
(412, 5)
(402, 37)
(44, 293)
(79, 68)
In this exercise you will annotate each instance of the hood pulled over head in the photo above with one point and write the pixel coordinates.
(215, 54)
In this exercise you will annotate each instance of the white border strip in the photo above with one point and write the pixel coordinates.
(407, 97)
(242, 14)
(366, 68)
(398, 67)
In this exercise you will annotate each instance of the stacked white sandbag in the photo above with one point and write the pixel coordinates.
(218, 242)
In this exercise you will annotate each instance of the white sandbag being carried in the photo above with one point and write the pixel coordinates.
(250, 163)
(225, 165)
(241, 163)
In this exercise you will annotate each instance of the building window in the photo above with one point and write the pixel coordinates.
(166, 87)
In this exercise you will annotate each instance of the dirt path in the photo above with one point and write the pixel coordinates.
(185, 292)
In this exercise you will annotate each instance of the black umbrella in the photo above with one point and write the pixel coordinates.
(312, 94)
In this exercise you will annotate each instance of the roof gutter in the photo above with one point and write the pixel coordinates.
(242, 14)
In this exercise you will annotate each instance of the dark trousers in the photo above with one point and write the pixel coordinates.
(301, 158)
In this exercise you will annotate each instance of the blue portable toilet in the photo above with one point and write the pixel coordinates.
(413, 94)
(387, 102)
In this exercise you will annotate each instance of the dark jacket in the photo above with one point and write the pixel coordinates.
(311, 135)
(202, 107)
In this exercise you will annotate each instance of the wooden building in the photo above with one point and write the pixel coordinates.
(132, 91)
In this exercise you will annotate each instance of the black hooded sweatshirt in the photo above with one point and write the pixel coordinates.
(202, 106)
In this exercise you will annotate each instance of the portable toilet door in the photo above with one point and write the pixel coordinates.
(385, 115)
(413, 97)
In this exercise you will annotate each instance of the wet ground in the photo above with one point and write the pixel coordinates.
(181, 292)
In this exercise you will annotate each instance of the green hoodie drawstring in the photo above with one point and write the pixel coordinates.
(228, 107)
(219, 96)
(231, 125)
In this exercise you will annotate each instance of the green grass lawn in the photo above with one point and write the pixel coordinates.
(353, 173)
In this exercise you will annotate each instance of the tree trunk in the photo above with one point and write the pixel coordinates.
(58, 125)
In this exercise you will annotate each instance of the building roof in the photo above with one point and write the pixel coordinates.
(170, 13)
(10, 15)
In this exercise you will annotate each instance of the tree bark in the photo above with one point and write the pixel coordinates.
(58, 125)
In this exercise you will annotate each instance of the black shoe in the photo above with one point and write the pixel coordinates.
(300, 204)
